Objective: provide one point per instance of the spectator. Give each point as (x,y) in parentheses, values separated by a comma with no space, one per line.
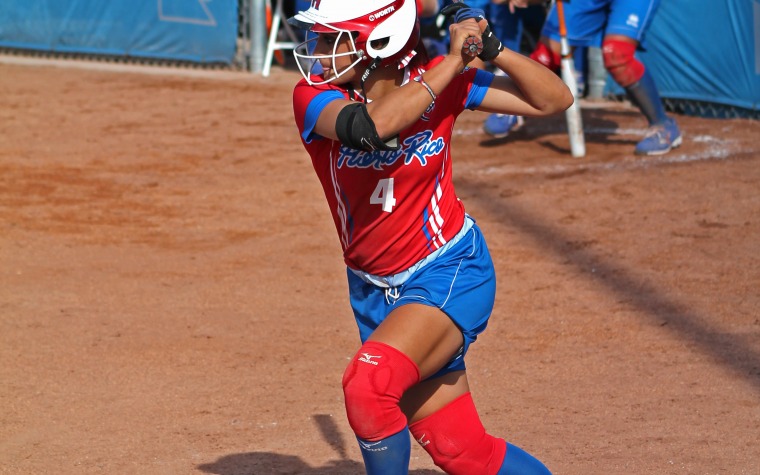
(621,26)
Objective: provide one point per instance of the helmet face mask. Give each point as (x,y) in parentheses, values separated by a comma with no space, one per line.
(384,31)
(307,61)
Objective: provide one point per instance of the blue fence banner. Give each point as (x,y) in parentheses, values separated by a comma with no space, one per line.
(707,50)
(202,31)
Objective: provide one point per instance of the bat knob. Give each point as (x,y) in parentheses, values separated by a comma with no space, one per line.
(472,46)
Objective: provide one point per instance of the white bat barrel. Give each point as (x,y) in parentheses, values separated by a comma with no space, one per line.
(573,113)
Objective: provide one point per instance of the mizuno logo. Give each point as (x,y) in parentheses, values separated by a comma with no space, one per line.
(422,440)
(372,446)
(367,445)
(367,358)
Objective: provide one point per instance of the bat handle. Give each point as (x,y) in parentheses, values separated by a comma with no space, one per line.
(472,46)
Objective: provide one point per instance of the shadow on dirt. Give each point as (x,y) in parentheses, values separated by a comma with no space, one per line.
(734,352)
(598,128)
(268,463)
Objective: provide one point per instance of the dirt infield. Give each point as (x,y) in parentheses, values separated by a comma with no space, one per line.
(172,298)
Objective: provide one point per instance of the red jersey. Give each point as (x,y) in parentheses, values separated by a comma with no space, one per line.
(390,208)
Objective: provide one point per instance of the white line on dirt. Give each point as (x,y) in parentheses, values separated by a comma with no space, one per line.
(550,130)
(717,150)
(220,74)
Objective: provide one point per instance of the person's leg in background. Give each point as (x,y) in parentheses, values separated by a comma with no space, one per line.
(508,27)
(622,39)
(623,27)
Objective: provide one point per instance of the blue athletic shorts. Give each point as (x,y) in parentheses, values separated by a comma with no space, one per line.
(460,281)
(589,21)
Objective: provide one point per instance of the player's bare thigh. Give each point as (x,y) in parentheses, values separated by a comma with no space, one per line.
(423,333)
(430,339)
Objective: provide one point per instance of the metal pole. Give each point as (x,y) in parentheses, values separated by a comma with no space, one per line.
(257,32)
(597,74)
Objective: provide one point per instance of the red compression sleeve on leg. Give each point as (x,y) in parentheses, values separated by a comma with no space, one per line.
(373,384)
(621,62)
(544,55)
(457,441)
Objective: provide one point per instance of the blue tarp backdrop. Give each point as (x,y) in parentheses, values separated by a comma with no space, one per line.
(700,50)
(187,30)
(707,50)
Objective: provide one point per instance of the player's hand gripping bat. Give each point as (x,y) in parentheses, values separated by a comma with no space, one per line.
(460,11)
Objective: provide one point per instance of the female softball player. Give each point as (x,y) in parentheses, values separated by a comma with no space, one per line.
(377,123)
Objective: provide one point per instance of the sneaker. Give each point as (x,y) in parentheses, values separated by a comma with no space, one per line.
(500,125)
(660,139)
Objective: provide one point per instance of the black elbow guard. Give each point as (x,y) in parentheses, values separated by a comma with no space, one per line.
(356,130)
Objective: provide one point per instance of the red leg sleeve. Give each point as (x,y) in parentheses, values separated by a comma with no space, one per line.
(457,441)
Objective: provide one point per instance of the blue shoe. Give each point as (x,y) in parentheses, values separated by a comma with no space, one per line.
(660,139)
(500,125)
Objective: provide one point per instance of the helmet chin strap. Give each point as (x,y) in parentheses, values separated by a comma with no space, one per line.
(373,65)
(393,141)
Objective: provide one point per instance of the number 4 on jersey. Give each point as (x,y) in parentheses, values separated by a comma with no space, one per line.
(383,195)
